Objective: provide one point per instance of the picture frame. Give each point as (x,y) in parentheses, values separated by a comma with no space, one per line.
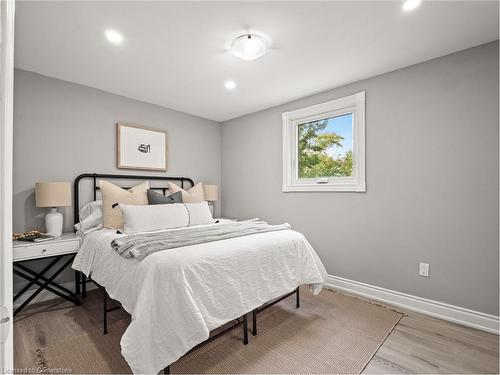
(140,147)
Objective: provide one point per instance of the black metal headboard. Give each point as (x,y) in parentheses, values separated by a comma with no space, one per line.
(95,187)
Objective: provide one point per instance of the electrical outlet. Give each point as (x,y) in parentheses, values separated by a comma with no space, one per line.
(424,269)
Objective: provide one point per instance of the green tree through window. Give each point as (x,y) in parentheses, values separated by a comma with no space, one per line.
(322,151)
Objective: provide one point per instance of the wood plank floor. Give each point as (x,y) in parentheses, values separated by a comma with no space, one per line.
(419,344)
(423,345)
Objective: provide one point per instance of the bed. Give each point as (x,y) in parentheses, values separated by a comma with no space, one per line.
(178,296)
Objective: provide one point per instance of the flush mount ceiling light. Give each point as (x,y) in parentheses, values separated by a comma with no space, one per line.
(113,36)
(411,4)
(230,85)
(249,46)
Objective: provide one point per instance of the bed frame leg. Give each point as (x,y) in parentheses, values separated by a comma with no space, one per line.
(105,321)
(166,370)
(254,322)
(297,303)
(84,285)
(245,329)
(78,282)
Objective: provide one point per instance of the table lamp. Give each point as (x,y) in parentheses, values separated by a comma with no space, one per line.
(211,195)
(53,195)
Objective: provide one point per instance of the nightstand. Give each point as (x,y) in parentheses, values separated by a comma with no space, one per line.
(65,246)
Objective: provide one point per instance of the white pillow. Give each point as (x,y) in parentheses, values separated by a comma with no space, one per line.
(89,209)
(199,213)
(90,217)
(148,218)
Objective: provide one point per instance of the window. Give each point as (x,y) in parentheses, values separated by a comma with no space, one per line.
(324,146)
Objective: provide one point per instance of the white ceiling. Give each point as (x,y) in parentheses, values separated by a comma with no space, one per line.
(174,53)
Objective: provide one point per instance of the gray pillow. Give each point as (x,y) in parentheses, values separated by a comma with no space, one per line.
(158,198)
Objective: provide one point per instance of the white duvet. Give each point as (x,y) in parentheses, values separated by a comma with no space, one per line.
(177,296)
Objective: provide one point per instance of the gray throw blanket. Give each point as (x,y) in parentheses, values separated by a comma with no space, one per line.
(141,245)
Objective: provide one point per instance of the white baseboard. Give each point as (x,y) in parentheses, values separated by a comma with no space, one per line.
(45,295)
(456,314)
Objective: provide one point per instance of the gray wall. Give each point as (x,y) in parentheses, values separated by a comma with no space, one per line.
(63,129)
(432,182)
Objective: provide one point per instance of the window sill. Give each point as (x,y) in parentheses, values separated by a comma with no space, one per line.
(355,188)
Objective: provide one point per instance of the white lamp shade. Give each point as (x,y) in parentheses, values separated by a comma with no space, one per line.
(211,192)
(53,194)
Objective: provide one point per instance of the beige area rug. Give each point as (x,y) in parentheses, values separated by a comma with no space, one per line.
(329,333)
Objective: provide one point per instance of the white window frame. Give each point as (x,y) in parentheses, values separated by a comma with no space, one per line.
(354,104)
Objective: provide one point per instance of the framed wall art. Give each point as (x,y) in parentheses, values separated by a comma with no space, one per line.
(139,147)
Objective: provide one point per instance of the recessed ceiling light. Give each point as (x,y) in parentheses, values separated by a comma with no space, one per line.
(113,36)
(230,85)
(249,46)
(411,4)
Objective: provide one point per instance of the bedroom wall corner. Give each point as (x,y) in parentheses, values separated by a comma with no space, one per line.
(432,182)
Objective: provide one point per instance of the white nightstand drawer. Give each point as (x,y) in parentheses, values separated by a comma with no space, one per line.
(41,250)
